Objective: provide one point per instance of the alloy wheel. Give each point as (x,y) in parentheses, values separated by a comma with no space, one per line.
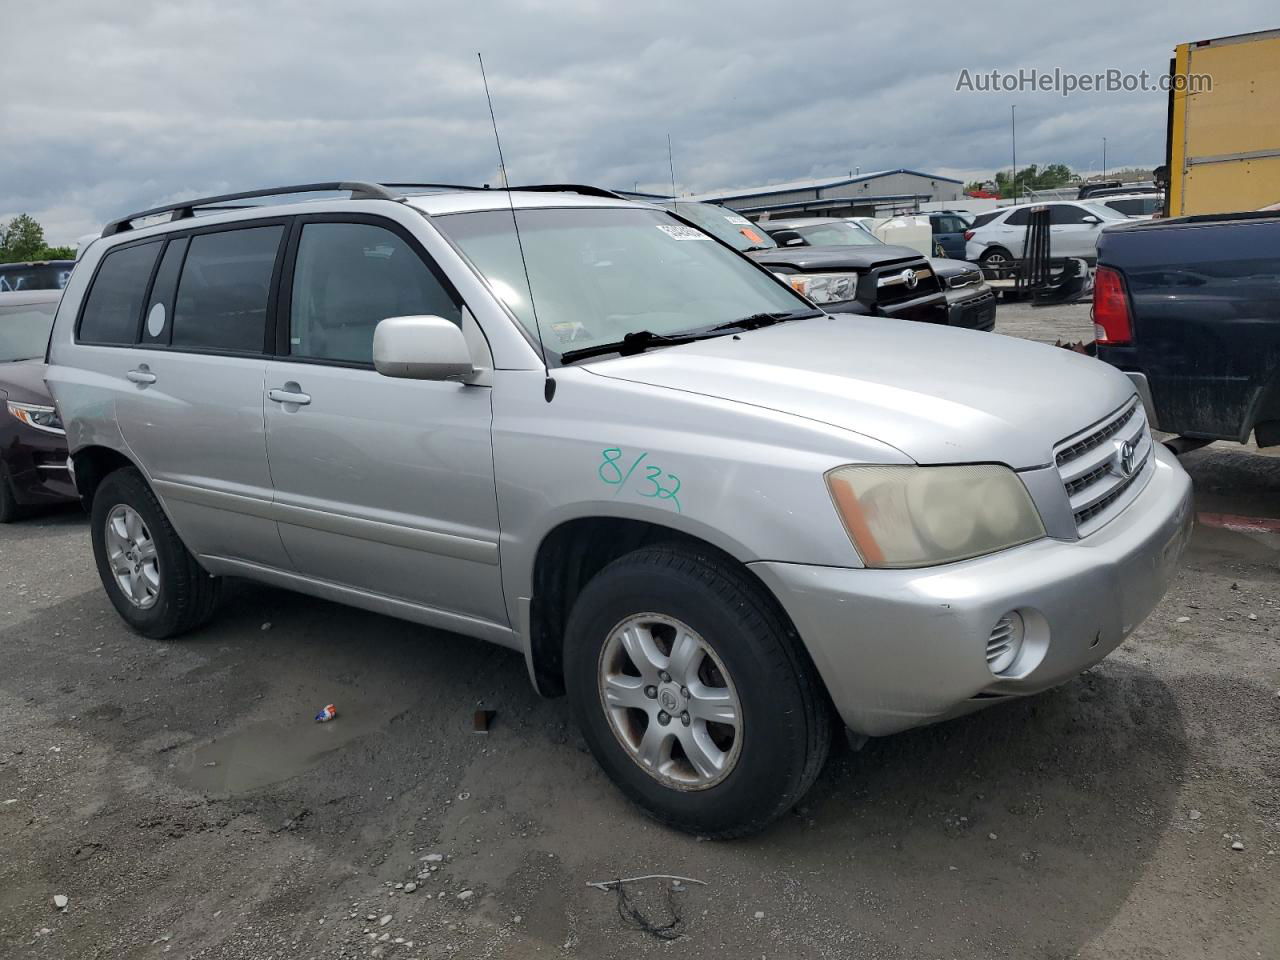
(131,553)
(670,701)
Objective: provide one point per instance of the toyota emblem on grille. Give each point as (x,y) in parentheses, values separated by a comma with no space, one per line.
(1124,459)
(910,279)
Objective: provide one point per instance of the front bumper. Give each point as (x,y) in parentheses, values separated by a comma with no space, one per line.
(928,308)
(973,308)
(901,648)
(36,464)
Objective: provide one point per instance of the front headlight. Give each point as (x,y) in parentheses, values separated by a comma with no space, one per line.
(905,516)
(825,287)
(37,417)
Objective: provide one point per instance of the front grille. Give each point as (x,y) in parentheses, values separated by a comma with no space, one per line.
(1086,444)
(890,287)
(1093,470)
(965,279)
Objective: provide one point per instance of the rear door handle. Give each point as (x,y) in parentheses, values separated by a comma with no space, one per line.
(290,394)
(141,376)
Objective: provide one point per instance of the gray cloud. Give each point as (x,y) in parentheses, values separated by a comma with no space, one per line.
(113,107)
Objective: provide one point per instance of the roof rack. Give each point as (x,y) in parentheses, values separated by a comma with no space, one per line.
(437,186)
(585,189)
(360,190)
(186,209)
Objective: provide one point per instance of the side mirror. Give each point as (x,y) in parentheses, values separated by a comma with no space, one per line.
(1090,218)
(794,242)
(421,348)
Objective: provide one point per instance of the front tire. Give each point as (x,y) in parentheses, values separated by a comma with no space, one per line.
(153,581)
(693,692)
(10,509)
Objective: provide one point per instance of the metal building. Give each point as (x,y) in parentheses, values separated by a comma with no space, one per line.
(866,195)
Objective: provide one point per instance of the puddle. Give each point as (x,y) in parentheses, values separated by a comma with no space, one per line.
(1262,546)
(266,752)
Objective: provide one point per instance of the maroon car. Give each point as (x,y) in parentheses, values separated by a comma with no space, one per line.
(33,445)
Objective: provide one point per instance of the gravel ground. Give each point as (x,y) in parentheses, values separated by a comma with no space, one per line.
(182,799)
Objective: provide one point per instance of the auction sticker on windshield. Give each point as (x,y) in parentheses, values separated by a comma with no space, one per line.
(680,232)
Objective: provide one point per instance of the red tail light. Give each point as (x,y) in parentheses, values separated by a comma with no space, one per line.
(968,235)
(1111,320)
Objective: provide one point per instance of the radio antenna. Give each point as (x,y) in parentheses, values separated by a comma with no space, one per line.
(549,387)
(671,164)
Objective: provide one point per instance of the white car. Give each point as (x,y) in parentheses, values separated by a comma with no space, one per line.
(1135,206)
(1074,226)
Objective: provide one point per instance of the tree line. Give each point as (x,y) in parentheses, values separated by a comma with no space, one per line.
(1030,177)
(22,239)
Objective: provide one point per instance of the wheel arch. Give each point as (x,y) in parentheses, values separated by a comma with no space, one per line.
(93,464)
(573,552)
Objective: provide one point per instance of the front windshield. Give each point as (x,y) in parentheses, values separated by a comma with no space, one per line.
(723,223)
(839,233)
(24,330)
(601,273)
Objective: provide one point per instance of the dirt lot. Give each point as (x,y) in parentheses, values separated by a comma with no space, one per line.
(181,796)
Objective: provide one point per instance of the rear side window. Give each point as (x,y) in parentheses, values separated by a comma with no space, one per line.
(1135,206)
(222,296)
(1019,217)
(982,219)
(1066,213)
(348,278)
(155,328)
(113,308)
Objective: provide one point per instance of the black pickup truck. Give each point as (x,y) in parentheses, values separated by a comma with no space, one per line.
(858,274)
(1189,308)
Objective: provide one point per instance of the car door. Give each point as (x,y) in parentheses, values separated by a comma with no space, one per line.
(381,484)
(948,233)
(1071,234)
(190,396)
(1011,232)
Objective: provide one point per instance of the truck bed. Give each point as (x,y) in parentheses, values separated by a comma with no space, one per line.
(1204,303)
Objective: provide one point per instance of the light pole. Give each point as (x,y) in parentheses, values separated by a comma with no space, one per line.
(1013,140)
(1104,158)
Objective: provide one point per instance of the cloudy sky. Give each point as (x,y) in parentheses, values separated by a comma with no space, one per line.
(112,107)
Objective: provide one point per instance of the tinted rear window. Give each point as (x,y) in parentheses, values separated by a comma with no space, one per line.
(114,305)
(37,276)
(222,294)
(982,219)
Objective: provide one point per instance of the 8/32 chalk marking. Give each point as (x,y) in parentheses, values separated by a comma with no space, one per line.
(663,486)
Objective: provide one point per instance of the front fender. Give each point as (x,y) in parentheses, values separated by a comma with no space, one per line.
(746,479)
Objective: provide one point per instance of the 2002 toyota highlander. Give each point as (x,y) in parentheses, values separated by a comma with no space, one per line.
(718,518)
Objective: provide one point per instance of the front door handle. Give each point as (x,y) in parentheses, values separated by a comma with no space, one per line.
(290,393)
(141,376)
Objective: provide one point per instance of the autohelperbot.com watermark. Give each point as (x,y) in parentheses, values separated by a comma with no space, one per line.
(1067,82)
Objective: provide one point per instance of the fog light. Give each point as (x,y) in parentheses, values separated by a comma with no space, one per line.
(1005,642)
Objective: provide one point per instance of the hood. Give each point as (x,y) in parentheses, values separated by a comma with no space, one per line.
(946,269)
(834,258)
(23,381)
(938,394)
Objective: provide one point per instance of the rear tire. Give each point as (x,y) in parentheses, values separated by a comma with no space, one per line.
(993,256)
(154,582)
(716,645)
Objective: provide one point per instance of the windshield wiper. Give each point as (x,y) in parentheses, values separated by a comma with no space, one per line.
(757,320)
(636,342)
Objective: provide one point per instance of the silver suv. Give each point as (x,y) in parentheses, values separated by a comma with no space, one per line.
(719,519)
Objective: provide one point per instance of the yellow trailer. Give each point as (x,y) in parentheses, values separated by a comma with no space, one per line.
(1223,148)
